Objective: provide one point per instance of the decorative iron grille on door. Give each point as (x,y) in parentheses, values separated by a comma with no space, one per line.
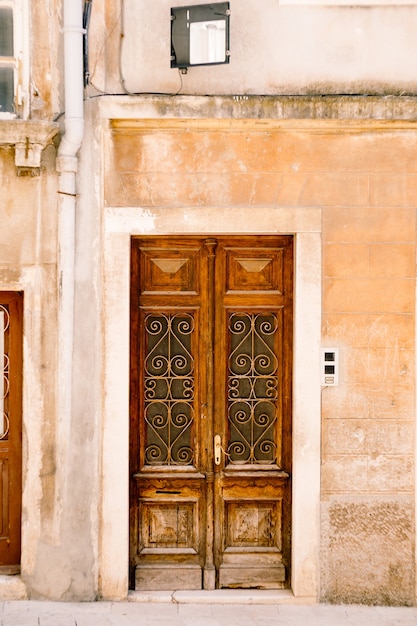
(169,389)
(11,310)
(252,388)
(4,357)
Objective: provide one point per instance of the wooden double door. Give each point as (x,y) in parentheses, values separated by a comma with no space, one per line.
(210,431)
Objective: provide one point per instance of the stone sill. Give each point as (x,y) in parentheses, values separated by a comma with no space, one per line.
(29,138)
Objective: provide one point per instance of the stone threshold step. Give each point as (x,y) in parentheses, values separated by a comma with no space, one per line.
(221,596)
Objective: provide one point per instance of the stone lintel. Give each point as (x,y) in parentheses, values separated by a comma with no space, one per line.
(263,112)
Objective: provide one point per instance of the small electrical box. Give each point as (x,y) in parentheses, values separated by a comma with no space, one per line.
(330,367)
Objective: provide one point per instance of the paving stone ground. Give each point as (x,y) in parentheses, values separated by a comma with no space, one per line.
(171,613)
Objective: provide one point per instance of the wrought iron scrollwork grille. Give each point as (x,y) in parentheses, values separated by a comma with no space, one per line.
(5,375)
(169,389)
(252,388)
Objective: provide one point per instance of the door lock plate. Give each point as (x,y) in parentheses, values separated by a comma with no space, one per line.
(217,449)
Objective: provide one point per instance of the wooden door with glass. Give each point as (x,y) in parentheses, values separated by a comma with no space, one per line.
(210,424)
(11,349)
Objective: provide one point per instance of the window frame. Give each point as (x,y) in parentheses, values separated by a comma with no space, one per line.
(19,61)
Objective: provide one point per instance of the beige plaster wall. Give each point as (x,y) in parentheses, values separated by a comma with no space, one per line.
(60,449)
(368,421)
(60,452)
(313,47)
(28,257)
(272,176)
(44,55)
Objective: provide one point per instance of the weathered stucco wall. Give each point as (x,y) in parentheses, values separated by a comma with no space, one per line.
(362,176)
(60,456)
(276,48)
(60,561)
(368,421)
(28,257)
(46,62)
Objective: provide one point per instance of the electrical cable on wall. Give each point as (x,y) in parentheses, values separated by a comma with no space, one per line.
(121,75)
(87,78)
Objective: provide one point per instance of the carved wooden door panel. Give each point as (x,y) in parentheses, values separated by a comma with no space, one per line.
(211,336)
(11,342)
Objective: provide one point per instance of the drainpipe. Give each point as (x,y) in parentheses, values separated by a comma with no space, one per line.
(67,164)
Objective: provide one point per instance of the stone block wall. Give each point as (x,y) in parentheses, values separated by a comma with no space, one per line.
(363,179)
(368,421)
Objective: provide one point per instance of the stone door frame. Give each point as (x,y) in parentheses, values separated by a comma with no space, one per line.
(119,225)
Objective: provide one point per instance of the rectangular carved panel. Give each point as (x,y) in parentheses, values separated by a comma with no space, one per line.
(170,270)
(4,498)
(254,269)
(158,577)
(255,577)
(253,525)
(167,525)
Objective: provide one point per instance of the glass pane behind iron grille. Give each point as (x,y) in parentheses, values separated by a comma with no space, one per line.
(6,32)
(169,389)
(6,89)
(4,391)
(252,388)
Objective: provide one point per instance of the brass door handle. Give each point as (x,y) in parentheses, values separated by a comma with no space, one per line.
(217,449)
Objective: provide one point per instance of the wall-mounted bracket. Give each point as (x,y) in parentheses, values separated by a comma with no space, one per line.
(29,139)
